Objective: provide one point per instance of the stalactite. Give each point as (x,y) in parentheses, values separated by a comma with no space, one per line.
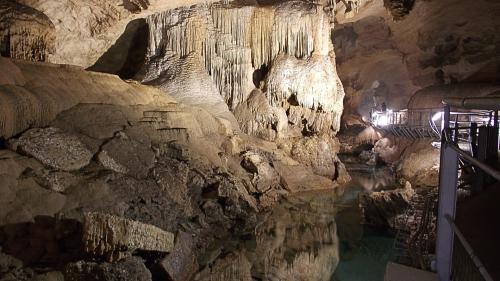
(234,41)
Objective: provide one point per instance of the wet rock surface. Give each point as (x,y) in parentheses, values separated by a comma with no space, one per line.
(382,208)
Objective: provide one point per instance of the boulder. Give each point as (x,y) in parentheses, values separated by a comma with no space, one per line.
(297,178)
(420,164)
(54,148)
(264,177)
(127,156)
(382,208)
(234,266)
(172,177)
(24,199)
(181,264)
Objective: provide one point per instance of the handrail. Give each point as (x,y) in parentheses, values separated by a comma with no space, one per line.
(469,250)
(490,171)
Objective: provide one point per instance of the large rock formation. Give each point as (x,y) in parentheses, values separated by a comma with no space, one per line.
(237,51)
(33,94)
(428,43)
(25,33)
(85,30)
(144,162)
(95,168)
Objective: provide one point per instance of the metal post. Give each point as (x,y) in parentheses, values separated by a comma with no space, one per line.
(473,139)
(495,137)
(448,173)
(455,131)
(446,122)
(482,154)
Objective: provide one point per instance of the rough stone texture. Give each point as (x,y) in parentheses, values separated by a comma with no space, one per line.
(420,164)
(127,156)
(399,8)
(264,177)
(282,49)
(105,234)
(54,148)
(86,119)
(132,269)
(172,178)
(186,80)
(83,39)
(181,264)
(22,197)
(34,93)
(8,263)
(25,33)
(319,153)
(59,181)
(455,43)
(382,208)
(256,117)
(234,266)
(390,150)
(297,178)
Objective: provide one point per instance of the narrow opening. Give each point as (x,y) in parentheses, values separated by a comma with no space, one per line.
(259,75)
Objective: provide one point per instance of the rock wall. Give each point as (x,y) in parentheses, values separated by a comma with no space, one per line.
(85,30)
(231,49)
(33,94)
(282,49)
(25,33)
(416,45)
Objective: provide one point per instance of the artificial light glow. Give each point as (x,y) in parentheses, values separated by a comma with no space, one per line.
(437,116)
(382,120)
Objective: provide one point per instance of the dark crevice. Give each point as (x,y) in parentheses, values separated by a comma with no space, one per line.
(127,56)
(259,75)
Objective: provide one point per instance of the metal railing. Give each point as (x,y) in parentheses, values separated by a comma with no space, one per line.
(454,255)
(428,122)
(466,265)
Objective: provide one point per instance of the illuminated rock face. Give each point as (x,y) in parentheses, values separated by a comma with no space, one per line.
(390,49)
(282,49)
(25,33)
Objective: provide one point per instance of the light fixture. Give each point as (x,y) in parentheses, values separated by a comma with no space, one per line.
(437,116)
(382,120)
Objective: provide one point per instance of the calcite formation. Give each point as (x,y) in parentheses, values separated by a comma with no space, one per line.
(25,33)
(109,235)
(283,49)
(32,94)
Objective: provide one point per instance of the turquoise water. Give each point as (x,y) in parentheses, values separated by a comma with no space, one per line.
(298,239)
(364,251)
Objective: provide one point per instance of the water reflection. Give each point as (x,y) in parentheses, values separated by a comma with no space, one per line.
(298,240)
(317,236)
